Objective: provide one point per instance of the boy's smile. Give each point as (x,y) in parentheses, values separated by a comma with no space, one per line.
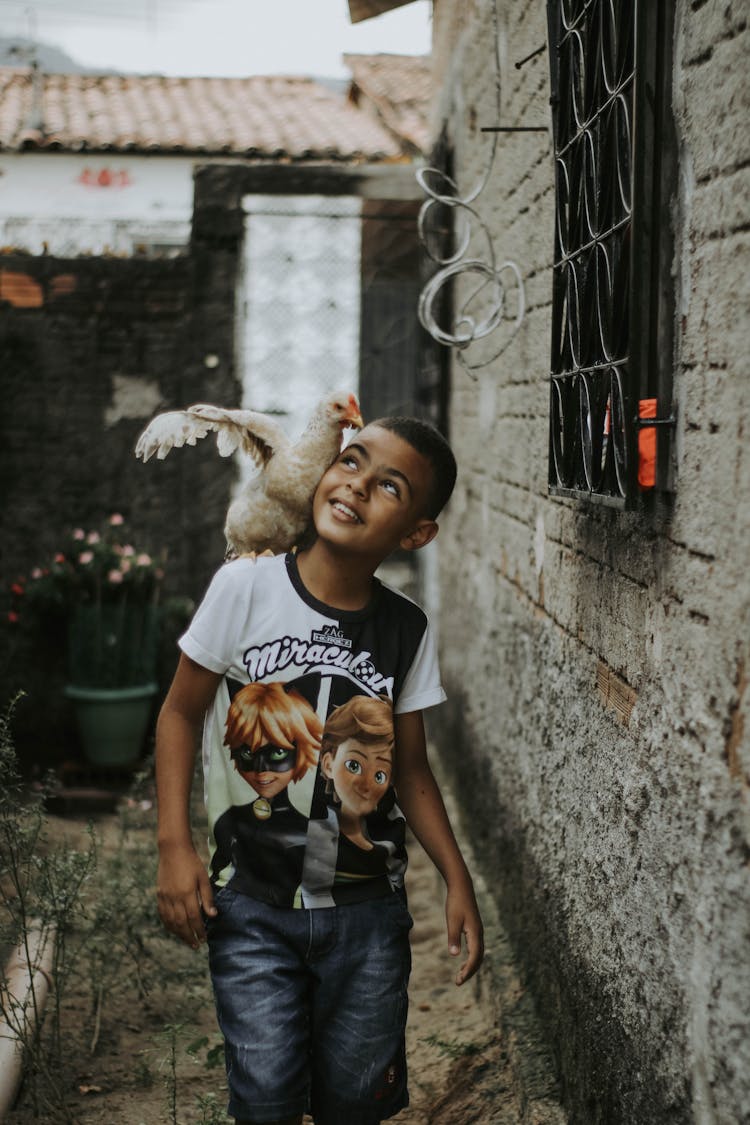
(344,512)
(373,497)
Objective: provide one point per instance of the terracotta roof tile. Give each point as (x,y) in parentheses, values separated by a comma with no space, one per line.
(399,88)
(273,116)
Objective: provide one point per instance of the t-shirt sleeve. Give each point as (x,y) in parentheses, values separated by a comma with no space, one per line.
(212,635)
(422,687)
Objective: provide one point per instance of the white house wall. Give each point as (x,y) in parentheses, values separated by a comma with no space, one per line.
(70,204)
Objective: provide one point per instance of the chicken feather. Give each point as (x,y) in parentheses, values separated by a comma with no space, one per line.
(274,509)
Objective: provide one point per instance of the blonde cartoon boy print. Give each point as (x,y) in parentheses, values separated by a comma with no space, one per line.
(357,759)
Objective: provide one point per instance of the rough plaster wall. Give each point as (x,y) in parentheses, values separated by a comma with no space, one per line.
(596,661)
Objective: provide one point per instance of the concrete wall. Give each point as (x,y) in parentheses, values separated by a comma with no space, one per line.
(597,661)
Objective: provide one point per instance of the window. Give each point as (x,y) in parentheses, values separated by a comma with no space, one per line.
(610,392)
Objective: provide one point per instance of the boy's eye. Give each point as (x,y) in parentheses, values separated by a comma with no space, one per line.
(353,766)
(392,487)
(278,754)
(349,461)
(381,777)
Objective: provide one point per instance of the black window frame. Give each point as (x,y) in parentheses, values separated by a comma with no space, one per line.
(597,376)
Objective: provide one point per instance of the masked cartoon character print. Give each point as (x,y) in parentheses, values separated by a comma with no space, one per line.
(273,737)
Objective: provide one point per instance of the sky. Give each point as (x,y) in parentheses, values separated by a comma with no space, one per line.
(216,37)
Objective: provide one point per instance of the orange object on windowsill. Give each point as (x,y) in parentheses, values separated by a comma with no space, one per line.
(647,445)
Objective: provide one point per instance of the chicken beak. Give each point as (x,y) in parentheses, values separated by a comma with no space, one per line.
(352,417)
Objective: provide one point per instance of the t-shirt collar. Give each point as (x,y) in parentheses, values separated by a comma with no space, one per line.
(329,610)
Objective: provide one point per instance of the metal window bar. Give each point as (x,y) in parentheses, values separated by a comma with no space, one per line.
(603,59)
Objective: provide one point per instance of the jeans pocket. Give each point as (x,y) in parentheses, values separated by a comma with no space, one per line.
(223,899)
(397,904)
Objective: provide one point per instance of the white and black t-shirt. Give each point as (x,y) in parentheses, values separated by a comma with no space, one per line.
(299,815)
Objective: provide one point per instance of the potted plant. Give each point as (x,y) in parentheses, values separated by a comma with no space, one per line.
(108,593)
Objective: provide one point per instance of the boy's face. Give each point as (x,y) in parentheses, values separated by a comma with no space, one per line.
(374,496)
(360,774)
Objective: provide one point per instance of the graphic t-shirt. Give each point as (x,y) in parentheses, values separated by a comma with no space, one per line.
(298,748)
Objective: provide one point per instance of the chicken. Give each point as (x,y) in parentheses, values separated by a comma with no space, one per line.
(274,509)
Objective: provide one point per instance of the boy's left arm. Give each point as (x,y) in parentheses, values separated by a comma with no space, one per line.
(422,804)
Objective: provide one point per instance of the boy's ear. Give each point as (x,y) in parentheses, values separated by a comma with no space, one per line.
(420,536)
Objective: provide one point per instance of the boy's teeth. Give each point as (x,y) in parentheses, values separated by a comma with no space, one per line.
(346,510)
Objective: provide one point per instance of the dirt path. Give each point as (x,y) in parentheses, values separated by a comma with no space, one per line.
(458,1073)
(142,1073)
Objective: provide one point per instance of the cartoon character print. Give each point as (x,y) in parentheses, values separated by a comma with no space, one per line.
(273,735)
(357,761)
(356,758)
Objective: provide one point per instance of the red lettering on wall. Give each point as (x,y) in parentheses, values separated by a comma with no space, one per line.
(105,178)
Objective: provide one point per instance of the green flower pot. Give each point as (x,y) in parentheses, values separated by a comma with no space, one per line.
(113,645)
(112,722)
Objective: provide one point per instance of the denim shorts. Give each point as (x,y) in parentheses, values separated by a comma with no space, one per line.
(312,1006)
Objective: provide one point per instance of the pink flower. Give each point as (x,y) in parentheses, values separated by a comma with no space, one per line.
(143,560)
(86,557)
(115,577)
(79,533)
(116,520)
(93,537)
(128,551)
(125,566)
(37,572)
(59,558)
(13,617)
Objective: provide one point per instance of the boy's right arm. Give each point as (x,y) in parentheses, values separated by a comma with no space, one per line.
(183,886)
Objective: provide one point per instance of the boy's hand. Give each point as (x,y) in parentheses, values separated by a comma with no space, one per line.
(182,889)
(462,916)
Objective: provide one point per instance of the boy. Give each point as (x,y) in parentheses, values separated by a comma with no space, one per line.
(310,971)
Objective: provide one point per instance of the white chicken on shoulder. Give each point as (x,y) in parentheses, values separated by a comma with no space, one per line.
(274,509)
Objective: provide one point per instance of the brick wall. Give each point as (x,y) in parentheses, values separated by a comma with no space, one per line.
(596,661)
(90,350)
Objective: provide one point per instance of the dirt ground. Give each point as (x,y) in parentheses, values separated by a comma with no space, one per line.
(156,1056)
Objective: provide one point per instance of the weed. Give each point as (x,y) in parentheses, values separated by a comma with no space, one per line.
(212,1112)
(214,1054)
(90,906)
(40,892)
(143,1076)
(451,1048)
(170,1032)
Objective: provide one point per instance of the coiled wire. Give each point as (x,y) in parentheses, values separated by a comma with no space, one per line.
(466,328)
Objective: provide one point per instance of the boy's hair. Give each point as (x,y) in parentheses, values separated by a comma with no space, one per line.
(367,719)
(266,714)
(430,443)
